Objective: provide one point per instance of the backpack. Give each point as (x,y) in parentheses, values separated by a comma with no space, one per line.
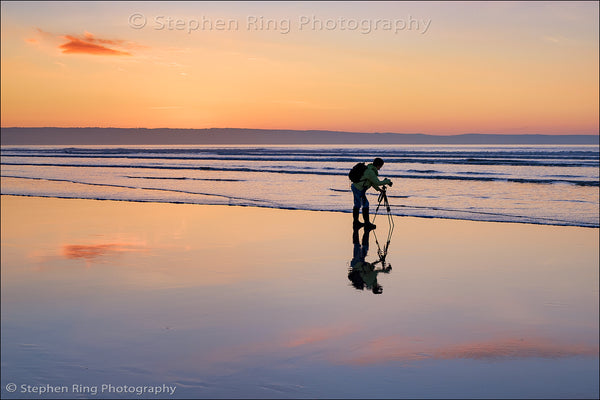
(356,173)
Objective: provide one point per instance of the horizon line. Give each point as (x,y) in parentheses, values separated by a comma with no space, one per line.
(303,130)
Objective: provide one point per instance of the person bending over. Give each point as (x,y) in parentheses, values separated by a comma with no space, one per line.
(369,179)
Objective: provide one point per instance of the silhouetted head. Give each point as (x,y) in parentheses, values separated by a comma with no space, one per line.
(378,162)
(356,280)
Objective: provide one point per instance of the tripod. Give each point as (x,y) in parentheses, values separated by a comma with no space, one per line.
(382,253)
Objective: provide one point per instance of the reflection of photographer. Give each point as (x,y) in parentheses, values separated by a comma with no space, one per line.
(362,273)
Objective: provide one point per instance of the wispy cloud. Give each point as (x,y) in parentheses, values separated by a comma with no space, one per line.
(299,104)
(559,40)
(89,44)
(166,108)
(38,36)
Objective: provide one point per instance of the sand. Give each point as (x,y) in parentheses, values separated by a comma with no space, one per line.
(243,302)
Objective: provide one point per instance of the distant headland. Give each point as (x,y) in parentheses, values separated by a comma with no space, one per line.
(233,136)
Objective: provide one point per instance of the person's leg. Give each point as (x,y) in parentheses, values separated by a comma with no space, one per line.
(365,202)
(368,224)
(356,210)
(363,199)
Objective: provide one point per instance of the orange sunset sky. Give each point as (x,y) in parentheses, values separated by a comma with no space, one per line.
(431,67)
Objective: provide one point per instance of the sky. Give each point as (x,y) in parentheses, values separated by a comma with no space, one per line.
(408,67)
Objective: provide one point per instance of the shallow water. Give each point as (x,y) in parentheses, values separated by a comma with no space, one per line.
(239,302)
(555,185)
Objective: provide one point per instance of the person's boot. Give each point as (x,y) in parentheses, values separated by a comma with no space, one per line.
(368,224)
(356,223)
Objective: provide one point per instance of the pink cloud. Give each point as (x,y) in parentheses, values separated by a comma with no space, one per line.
(89,44)
(86,43)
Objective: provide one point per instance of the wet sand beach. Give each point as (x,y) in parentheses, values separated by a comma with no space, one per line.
(242,302)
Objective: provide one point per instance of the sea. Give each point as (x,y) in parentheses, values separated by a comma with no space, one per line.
(531,184)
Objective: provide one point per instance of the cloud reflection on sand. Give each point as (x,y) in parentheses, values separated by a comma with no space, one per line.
(346,345)
(388,349)
(317,335)
(95,251)
(92,253)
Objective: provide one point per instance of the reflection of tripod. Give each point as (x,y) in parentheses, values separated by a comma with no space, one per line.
(382,253)
(362,273)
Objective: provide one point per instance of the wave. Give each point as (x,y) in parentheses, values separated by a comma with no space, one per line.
(184,174)
(424,171)
(552,221)
(308,171)
(428,159)
(184,178)
(483,216)
(141,188)
(390,196)
(478,155)
(433,171)
(490,151)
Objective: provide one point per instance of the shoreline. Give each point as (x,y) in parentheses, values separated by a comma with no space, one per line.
(349,211)
(229,302)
